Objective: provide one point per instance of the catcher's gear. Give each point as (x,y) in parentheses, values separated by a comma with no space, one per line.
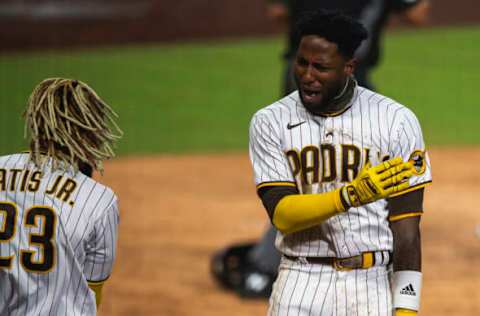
(378,182)
(227,265)
(232,269)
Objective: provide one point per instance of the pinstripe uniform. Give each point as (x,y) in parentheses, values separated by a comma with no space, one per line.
(58,231)
(291,147)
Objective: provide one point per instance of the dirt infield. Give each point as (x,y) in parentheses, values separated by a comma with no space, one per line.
(177,210)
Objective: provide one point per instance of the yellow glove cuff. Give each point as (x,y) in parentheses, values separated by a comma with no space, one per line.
(96,287)
(405,312)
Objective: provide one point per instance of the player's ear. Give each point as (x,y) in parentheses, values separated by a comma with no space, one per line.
(350,66)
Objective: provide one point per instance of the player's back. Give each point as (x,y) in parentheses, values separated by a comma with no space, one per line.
(52,224)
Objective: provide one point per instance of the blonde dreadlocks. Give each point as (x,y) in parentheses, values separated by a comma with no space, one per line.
(68,120)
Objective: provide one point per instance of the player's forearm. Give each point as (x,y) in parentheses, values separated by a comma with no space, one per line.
(301,211)
(407,278)
(407,254)
(410,261)
(277,10)
(418,14)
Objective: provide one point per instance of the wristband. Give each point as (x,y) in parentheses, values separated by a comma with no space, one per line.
(406,289)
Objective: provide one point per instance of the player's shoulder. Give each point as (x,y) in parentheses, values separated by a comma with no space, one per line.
(373,98)
(13,159)
(92,185)
(98,184)
(383,103)
(94,196)
(279,108)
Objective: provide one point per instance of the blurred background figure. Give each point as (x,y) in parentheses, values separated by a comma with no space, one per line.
(255,264)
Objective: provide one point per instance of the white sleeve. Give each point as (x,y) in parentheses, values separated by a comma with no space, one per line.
(270,164)
(407,142)
(101,245)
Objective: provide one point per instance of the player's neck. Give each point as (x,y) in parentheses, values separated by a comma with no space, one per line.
(43,149)
(338,104)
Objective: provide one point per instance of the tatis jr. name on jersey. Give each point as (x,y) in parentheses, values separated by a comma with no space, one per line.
(25,180)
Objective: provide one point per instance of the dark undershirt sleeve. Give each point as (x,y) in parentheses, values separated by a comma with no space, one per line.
(411,202)
(270,196)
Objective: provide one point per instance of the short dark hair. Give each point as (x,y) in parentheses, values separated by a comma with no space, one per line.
(335,27)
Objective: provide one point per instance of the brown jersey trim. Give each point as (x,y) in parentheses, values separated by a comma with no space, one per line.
(98,282)
(410,189)
(276,184)
(271,195)
(395,218)
(411,202)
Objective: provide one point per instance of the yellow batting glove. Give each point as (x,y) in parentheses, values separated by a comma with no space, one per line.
(379,182)
(405,312)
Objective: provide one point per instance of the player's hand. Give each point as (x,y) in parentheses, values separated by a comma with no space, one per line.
(405,312)
(378,182)
(277,11)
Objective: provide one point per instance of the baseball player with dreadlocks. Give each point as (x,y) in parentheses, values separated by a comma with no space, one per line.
(340,170)
(58,226)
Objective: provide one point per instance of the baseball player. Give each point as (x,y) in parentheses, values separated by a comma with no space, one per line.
(256,263)
(341,171)
(58,227)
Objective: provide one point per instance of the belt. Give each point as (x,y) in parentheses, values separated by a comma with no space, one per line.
(364,260)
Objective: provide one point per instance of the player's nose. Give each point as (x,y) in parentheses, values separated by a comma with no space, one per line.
(307,75)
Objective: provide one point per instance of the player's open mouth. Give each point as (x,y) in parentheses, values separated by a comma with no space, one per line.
(310,95)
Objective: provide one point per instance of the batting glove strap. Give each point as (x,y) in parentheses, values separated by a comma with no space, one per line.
(406,290)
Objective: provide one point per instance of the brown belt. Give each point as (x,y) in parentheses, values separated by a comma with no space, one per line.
(364,260)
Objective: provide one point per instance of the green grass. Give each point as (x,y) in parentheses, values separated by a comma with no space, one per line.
(192,97)
(436,73)
(199,97)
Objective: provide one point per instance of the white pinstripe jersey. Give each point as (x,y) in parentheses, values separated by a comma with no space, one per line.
(289,146)
(57,230)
